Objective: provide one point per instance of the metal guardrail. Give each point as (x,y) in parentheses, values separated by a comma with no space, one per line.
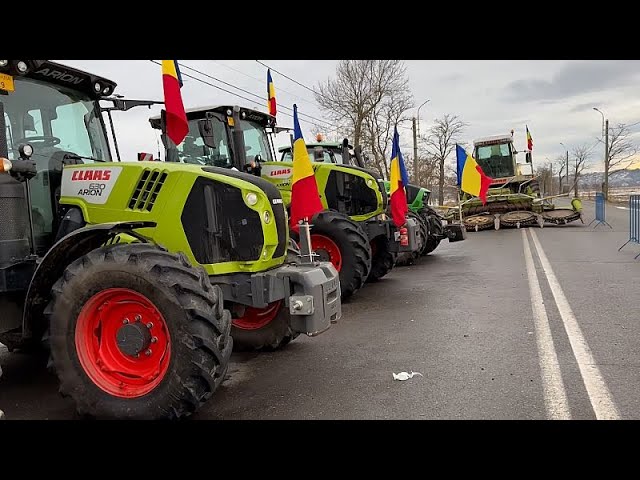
(600,211)
(634,222)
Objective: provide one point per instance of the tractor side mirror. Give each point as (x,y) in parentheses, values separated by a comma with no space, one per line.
(527,157)
(205,127)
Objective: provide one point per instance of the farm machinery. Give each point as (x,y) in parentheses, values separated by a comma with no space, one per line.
(131,273)
(353,232)
(513,198)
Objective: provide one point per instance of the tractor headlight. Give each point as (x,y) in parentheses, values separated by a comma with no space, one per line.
(22,67)
(370,183)
(4,63)
(5,165)
(266,216)
(251,198)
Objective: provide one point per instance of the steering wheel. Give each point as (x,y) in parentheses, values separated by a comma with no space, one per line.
(41,140)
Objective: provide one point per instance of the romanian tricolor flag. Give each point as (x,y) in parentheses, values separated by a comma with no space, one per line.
(399,180)
(271,94)
(529,140)
(177,126)
(471,178)
(305,199)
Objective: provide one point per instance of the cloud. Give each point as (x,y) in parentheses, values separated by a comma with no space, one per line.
(575,78)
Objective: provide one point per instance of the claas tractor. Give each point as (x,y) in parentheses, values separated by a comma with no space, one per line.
(513,198)
(130,272)
(356,196)
(352,233)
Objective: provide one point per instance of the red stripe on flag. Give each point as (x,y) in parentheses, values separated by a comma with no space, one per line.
(272,106)
(177,125)
(305,200)
(485,182)
(399,206)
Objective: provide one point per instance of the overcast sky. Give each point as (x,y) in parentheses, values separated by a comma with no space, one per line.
(555,98)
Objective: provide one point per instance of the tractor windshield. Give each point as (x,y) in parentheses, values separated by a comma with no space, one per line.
(316,154)
(496,160)
(193,150)
(55,121)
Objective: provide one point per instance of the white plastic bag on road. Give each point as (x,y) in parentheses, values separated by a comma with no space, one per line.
(405,376)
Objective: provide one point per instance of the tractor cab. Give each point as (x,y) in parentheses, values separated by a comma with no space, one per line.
(222,136)
(54,111)
(497,157)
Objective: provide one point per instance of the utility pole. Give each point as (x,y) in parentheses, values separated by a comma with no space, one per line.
(605,190)
(551,178)
(568,170)
(415,152)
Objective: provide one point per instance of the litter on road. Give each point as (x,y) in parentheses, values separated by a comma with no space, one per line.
(405,376)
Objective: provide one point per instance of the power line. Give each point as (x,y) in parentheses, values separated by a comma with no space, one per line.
(233,93)
(262,81)
(289,78)
(248,92)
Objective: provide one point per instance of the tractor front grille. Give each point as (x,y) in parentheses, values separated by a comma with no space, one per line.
(349,194)
(219,226)
(147,190)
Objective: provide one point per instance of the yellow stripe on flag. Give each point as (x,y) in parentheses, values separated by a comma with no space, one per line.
(471,178)
(301,162)
(395,174)
(169,68)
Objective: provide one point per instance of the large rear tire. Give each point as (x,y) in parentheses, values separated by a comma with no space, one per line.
(137,332)
(434,230)
(263,329)
(340,240)
(383,260)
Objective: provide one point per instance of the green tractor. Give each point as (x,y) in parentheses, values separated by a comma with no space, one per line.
(130,272)
(434,228)
(353,233)
(346,184)
(513,198)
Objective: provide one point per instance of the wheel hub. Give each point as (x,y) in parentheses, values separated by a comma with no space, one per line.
(133,338)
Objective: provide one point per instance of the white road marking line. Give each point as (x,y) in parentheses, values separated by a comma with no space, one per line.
(623,208)
(599,395)
(553,389)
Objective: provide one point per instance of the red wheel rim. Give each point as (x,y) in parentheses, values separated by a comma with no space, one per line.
(327,249)
(125,313)
(254,318)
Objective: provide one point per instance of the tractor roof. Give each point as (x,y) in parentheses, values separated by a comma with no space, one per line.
(59,74)
(493,140)
(199,112)
(316,144)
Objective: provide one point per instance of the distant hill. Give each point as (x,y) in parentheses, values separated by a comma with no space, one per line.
(623,178)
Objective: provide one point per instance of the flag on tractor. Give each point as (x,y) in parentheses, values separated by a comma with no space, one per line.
(271,94)
(471,178)
(177,126)
(529,140)
(305,199)
(399,180)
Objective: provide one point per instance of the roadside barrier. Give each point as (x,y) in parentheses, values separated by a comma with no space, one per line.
(600,211)
(634,221)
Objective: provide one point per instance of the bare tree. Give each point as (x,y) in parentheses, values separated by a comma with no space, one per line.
(581,155)
(427,169)
(620,149)
(441,141)
(359,93)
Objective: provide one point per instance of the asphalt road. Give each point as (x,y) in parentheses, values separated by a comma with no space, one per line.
(492,339)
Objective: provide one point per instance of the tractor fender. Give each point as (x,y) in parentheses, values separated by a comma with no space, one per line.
(69,248)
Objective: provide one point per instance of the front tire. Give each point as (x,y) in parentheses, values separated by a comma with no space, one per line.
(137,332)
(434,227)
(383,260)
(264,329)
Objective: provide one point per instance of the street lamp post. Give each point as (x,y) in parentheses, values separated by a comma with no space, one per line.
(416,134)
(605,134)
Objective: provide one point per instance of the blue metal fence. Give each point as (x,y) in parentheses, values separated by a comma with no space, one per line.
(634,221)
(600,211)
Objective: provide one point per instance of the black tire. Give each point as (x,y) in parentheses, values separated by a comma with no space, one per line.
(422,233)
(434,230)
(383,260)
(275,334)
(354,248)
(535,188)
(192,309)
